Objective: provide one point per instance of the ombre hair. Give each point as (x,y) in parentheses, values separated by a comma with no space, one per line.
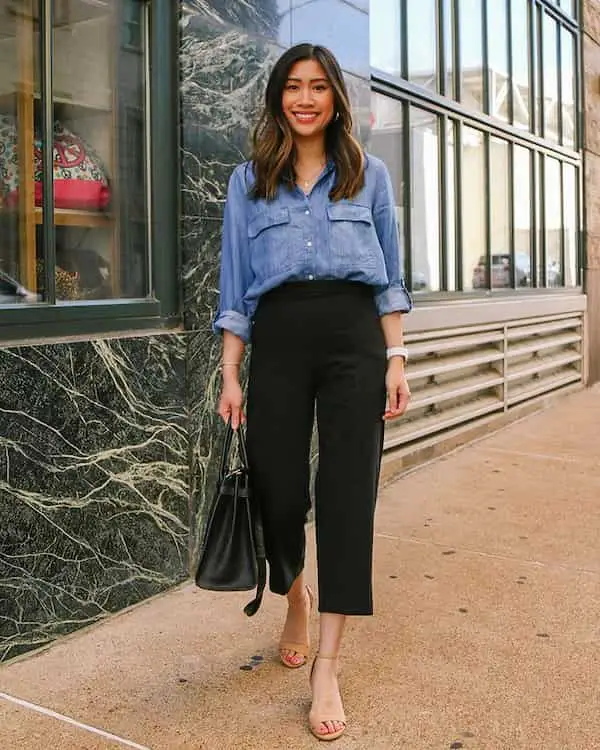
(273,148)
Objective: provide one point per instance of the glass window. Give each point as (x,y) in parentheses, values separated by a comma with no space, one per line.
(471,53)
(550,73)
(498,60)
(522,215)
(521,84)
(553,222)
(473,210)
(425,200)
(449,9)
(500,215)
(100,219)
(421,20)
(385,36)
(386,143)
(21,260)
(451,205)
(568,89)
(570,224)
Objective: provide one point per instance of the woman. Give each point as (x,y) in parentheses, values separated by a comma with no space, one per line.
(311,276)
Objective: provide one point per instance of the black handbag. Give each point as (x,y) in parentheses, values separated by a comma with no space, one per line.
(232,553)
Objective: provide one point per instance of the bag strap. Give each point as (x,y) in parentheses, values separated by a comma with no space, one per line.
(261,563)
(226,451)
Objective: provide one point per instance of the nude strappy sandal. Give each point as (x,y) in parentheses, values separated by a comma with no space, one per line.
(300,648)
(315,721)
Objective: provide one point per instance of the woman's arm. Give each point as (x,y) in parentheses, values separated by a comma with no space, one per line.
(232,318)
(392,300)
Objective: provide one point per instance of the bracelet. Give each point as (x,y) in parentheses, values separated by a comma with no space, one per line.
(230,364)
(397,351)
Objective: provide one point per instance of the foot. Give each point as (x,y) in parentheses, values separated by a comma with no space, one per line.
(327,718)
(295,639)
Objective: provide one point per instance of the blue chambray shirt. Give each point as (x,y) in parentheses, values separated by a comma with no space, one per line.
(298,237)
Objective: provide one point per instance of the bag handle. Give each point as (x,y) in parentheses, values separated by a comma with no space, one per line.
(239,433)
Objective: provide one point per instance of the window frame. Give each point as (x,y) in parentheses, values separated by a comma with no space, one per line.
(162,308)
(450,108)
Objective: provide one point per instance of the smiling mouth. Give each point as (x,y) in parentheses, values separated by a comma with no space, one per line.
(305,116)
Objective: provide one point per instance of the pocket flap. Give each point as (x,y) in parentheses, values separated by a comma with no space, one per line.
(349,212)
(266,219)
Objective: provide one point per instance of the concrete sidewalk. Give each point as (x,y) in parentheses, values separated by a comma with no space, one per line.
(486,634)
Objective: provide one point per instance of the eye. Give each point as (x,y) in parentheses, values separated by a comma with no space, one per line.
(291,87)
(321,87)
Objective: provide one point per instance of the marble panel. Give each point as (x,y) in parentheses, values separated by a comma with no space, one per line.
(341,26)
(94,482)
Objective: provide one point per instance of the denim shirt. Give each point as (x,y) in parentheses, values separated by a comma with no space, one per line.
(298,237)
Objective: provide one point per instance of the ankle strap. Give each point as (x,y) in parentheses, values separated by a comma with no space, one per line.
(319,655)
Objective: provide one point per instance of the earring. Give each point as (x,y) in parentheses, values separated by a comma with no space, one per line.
(337,115)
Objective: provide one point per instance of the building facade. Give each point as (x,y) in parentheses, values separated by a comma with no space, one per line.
(120,122)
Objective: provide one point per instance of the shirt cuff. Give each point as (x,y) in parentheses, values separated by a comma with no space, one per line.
(394,298)
(235,322)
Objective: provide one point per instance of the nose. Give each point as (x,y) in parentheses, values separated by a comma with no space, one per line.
(305,96)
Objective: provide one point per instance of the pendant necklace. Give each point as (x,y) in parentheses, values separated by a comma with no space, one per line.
(307,183)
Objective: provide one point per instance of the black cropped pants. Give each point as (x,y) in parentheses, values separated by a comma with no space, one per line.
(318,344)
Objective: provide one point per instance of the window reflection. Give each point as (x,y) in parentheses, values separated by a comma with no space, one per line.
(553,222)
(471,53)
(451,205)
(570,228)
(550,71)
(385,36)
(449,14)
(499,215)
(425,200)
(522,215)
(421,17)
(498,60)
(521,89)
(568,88)
(386,143)
(473,211)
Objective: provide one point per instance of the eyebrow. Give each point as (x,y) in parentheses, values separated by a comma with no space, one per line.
(312,80)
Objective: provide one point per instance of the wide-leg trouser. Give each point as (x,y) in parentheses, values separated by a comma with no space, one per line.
(318,343)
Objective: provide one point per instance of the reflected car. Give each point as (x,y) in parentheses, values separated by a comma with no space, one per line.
(502,272)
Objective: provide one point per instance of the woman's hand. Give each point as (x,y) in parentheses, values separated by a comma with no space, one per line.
(397,388)
(231,401)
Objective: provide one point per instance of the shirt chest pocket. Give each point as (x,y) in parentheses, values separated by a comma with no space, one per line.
(352,234)
(270,242)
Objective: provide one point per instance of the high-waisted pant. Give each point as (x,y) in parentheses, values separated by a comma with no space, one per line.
(318,343)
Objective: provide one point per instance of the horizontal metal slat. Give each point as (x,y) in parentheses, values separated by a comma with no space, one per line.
(522,331)
(544,386)
(450,364)
(421,428)
(541,364)
(537,346)
(455,342)
(440,393)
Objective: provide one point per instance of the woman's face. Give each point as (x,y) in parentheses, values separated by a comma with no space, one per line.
(308,100)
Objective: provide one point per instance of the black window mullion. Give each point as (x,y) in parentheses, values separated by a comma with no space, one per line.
(542,280)
(486,56)
(539,32)
(533,82)
(441,47)
(443,204)
(404,73)
(509,42)
(559,104)
(407,193)
(458,94)
(488,205)
(48,231)
(536,222)
(511,212)
(458,150)
(563,253)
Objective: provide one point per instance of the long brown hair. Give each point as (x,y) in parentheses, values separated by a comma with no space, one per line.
(274,151)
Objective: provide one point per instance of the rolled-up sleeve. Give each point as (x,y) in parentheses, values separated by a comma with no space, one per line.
(235,273)
(393,297)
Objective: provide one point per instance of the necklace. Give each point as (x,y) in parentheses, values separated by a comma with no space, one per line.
(307,183)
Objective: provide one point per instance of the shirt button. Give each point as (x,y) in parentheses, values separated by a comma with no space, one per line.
(311,277)
(309,244)
(307,212)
